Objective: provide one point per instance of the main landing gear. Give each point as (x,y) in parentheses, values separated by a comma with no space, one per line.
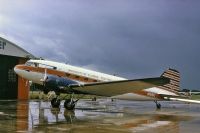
(55,102)
(158,105)
(69,104)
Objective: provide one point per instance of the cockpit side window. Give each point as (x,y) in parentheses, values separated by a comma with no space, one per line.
(31,64)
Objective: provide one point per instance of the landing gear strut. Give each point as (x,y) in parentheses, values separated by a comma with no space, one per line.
(158,105)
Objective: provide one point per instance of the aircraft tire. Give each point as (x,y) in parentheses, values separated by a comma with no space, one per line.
(55,103)
(69,105)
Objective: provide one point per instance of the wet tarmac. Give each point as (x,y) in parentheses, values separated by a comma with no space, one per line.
(101,116)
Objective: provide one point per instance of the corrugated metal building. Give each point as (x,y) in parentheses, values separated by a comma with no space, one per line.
(12,86)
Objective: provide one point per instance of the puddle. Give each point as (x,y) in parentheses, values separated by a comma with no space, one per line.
(100,116)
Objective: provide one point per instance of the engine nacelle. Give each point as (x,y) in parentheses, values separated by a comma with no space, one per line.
(58,84)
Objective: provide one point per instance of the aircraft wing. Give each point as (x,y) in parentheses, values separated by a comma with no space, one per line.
(119,87)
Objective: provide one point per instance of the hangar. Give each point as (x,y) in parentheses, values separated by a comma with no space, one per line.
(12,86)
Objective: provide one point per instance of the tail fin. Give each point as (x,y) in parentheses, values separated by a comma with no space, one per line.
(174,85)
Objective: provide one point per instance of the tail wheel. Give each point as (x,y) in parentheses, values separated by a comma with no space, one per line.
(55,103)
(158,106)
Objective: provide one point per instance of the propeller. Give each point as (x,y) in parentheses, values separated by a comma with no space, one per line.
(45,90)
(45,77)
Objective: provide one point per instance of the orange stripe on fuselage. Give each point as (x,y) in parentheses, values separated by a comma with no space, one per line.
(56,72)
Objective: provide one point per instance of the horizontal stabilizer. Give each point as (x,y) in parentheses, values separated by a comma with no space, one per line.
(182,100)
(119,87)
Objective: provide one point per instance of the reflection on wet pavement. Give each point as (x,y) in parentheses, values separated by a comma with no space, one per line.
(100,116)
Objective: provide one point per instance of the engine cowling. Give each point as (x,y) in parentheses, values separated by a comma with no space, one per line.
(57,84)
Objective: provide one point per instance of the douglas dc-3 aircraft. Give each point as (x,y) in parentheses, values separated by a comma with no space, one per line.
(64,78)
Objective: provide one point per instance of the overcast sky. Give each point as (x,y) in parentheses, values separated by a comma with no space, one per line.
(130,38)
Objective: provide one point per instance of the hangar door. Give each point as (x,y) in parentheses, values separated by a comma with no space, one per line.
(8,78)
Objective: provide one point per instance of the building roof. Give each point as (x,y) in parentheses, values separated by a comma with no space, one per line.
(10,49)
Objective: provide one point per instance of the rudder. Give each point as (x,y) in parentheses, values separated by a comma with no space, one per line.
(174,85)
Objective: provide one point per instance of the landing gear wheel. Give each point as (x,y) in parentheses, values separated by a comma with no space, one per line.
(55,103)
(69,104)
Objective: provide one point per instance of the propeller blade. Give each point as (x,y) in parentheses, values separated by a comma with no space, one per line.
(45,74)
(45,77)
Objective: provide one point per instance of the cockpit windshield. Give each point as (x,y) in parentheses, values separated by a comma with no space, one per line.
(34,64)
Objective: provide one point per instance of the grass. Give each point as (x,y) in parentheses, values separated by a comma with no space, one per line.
(40,95)
(195,97)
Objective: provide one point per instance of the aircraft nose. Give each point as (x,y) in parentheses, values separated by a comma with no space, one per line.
(17,69)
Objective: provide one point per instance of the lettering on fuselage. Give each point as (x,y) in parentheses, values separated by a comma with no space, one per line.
(151,94)
(2,44)
(92,76)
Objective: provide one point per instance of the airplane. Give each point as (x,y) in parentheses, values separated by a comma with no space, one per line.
(65,78)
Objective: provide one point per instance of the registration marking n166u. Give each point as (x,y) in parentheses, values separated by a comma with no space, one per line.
(151,94)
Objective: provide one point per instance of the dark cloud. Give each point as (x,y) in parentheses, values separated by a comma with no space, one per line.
(131,38)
